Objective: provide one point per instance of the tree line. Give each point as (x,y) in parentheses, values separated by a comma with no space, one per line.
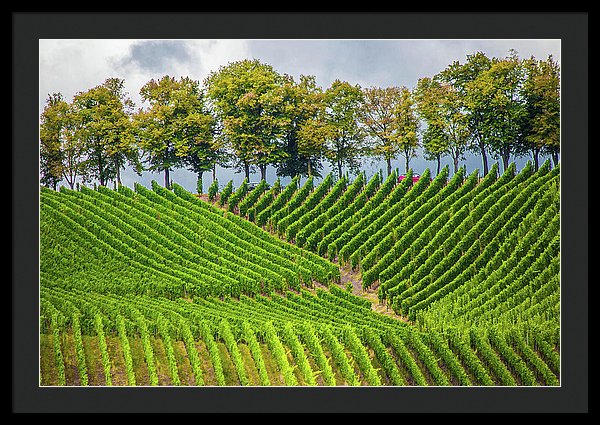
(246,115)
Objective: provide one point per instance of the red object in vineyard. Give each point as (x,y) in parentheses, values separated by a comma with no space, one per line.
(415,177)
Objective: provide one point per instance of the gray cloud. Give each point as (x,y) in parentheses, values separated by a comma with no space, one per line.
(155,55)
(384,62)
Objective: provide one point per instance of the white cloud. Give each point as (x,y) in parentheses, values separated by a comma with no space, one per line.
(71,66)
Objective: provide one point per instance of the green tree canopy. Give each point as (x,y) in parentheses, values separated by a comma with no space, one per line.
(59,156)
(175,130)
(378,115)
(344,136)
(102,124)
(500,88)
(541,92)
(408,126)
(124,150)
(303,103)
(475,104)
(447,131)
(435,144)
(250,106)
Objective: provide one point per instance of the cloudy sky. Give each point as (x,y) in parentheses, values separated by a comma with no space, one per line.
(70,66)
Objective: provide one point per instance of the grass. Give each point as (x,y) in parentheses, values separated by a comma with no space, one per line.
(117,359)
(184,367)
(140,369)
(48,375)
(249,365)
(272,370)
(93,361)
(231,376)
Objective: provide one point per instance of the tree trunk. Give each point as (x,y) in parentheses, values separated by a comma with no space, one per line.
(70,178)
(339,165)
(483,156)
(439,163)
(505,159)
(199,187)
(389,166)
(214,172)
(167,184)
(407,161)
(101,170)
(247,170)
(263,171)
(309,167)
(536,163)
(555,158)
(455,162)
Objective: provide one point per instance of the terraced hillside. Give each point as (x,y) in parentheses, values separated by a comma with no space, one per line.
(158,287)
(457,251)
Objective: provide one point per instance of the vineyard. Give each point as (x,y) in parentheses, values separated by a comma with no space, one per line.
(458,282)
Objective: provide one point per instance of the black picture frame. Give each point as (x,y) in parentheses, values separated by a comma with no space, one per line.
(571,28)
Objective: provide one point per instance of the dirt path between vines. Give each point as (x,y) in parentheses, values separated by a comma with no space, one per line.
(347,276)
(350,276)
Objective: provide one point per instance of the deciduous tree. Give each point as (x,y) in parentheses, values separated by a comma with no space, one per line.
(438,104)
(124,150)
(408,126)
(476,106)
(102,124)
(175,130)
(303,103)
(378,116)
(500,88)
(541,92)
(344,144)
(251,111)
(59,157)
